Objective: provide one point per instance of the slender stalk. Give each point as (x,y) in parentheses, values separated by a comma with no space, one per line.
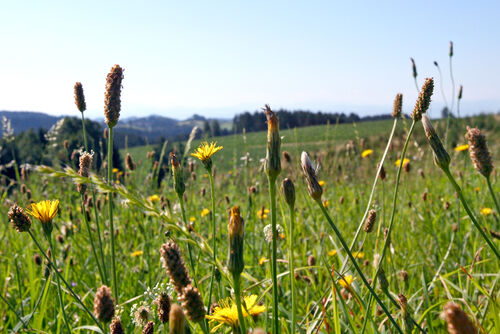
(59,292)
(292,268)
(191,262)
(272,200)
(214,235)
(51,264)
(356,266)
(469,212)
(13,310)
(492,192)
(237,295)
(110,210)
(91,239)
(84,133)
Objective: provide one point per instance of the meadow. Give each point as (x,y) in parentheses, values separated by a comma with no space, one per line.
(225,244)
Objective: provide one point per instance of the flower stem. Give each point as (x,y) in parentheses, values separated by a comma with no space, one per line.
(110,209)
(191,262)
(84,214)
(292,268)
(469,212)
(214,236)
(356,266)
(237,295)
(272,200)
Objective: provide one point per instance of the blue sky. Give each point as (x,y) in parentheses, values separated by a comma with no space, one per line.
(218,58)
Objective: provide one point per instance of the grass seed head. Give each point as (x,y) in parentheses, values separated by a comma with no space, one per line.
(129,162)
(174,265)
(19,219)
(112,97)
(85,165)
(441,157)
(104,305)
(460,92)
(382,174)
(457,321)
(423,100)
(79,97)
(413,67)
(163,303)
(149,328)
(398,106)
(479,152)
(116,326)
(370,221)
(192,303)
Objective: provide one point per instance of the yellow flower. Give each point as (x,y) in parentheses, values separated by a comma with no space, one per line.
(115,170)
(262,213)
(346,281)
(205,151)
(321,183)
(44,211)
(461,148)
(486,211)
(262,260)
(366,153)
(358,255)
(154,198)
(192,219)
(326,203)
(120,173)
(205,212)
(333,252)
(476,189)
(227,313)
(405,161)
(136,253)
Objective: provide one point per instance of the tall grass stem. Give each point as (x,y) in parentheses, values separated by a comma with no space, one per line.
(110,210)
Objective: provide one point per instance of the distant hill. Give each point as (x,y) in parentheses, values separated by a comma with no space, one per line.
(25,120)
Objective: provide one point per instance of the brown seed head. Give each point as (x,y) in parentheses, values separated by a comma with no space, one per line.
(370,221)
(460,92)
(423,100)
(149,328)
(287,157)
(19,219)
(413,67)
(479,152)
(38,259)
(451,49)
(382,173)
(315,190)
(129,162)
(79,97)
(85,165)
(192,303)
(116,326)
(163,303)
(398,106)
(458,322)
(311,260)
(174,265)
(112,100)
(177,320)
(104,307)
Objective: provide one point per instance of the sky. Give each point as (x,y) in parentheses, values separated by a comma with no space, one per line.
(219,58)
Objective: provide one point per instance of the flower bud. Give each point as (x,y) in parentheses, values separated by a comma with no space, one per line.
(315,190)
(273,159)
(441,157)
(460,92)
(413,67)
(179,185)
(423,100)
(289,192)
(236,233)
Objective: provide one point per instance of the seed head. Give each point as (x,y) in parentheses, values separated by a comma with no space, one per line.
(192,303)
(289,192)
(163,303)
(116,326)
(112,100)
(236,233)
(423,100)
(38,259)
(441,157)
(79,97)
(315,190)
(174,265)
(413,67)
(149,328)
(311,260)
(273,160)
(287,157)
(398,106)
(370,221)
(104,307)
(177,320)
(458,322)
(384,284)
(19,219)
(85,164)
(451,49)
(479,152)
(129,162)
(460,92)
(382,174)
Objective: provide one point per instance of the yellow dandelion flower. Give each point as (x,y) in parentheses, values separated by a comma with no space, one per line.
(358,255)
(154,198)
(366,153)
(476,189)
(44,211)
(326,203)
(346,281)
(262,260)
(205,212)
(227,313)
(282,236)
(405,161)
(262,213)
(333,252)
(486,211)
(192,219)
(115,170)
(321,183)
(120,173)
(205,151)
(136,253)
(461,148)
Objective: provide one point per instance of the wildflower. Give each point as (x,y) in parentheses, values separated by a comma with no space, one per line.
(326,203)
(205,212)
(176,320)
(204,153)
(366,153)
(476,189)
(358,255)
(346,281)
(226,312)
(262,213)
(192,303)
(104,307)
(79,97)
(315,190)
(140,316)
(262,260)
(115,170)
(154,198)
(273,162)
(486,211)
(236,233)
(398,106)
(479,152)
(268,231)
(192,219)
(19,219)
(462,148)
(441,157)
(423,100)
(405,161)
(45,212)
(112,102)
(332,252)
(136,253)
(458,322)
